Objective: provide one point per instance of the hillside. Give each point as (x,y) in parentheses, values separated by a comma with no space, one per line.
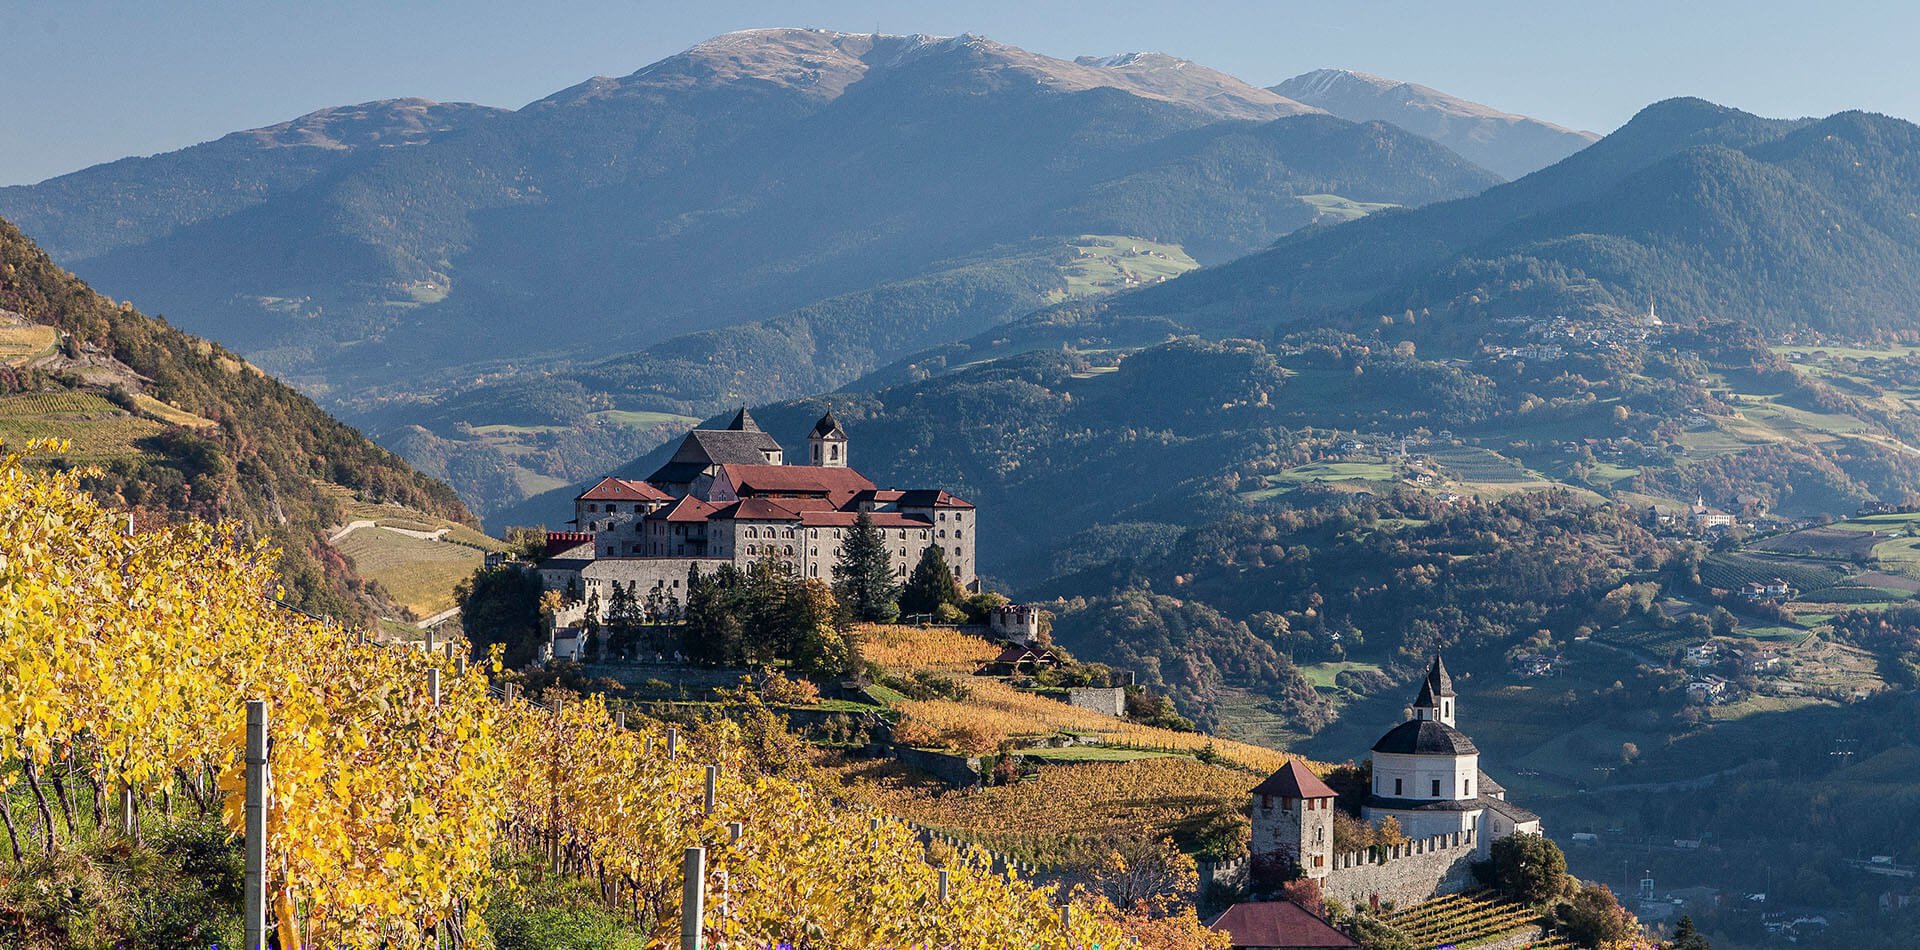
(1511,145)
(178,427)
(1805,227)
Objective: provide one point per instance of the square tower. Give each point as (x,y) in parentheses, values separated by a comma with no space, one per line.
(1292,817)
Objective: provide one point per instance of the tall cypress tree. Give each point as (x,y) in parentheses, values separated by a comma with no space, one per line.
(930,585)
(863,576)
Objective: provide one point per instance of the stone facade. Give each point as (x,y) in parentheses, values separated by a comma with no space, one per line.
(1111,701)
(1404,874)
(1017,622)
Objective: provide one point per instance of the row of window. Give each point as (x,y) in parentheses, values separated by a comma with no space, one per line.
(1466,787)
(638,509)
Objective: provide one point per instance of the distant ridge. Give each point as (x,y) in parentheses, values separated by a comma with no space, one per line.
(1511,145)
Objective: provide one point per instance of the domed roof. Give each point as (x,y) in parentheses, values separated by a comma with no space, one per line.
(1425,737)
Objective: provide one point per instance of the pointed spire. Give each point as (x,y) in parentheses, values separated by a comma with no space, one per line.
(743,421)
(1436,685)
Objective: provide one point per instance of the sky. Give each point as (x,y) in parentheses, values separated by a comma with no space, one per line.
(89,81)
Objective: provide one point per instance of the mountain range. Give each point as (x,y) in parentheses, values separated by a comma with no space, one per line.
(1509,145)
(388,258)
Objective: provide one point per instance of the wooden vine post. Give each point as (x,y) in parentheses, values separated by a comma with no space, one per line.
(256,877)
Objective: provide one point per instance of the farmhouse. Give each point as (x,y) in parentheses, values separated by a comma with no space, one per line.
(727,496)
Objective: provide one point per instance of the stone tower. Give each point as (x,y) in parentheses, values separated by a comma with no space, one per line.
(1437,700)
(827,443)
(1292,817)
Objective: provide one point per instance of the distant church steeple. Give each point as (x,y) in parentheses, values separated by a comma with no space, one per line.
(827,443)
(743,422)
(1437,699)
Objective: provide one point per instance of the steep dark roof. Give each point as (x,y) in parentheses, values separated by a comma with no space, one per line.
(1436,685)
(703,448)
(1294,780)
(828,427)
(1425,737)
(1278,924)
(930,498)
(743,422)
(1425,804)
(1488,785)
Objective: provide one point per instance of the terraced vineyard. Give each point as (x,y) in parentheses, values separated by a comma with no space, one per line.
(1463,919)
(1473,464)
(95,429)
(1736,570)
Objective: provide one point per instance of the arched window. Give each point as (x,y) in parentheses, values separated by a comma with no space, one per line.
(753,532)
(789,550)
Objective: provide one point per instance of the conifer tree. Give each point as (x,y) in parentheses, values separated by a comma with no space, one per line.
(863,576)
(931,584)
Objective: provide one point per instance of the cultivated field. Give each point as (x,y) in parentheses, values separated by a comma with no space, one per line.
(419,575)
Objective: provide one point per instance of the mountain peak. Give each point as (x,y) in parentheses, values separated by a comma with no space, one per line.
(823,64)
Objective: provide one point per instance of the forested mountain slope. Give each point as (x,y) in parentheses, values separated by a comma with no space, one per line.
(180,427)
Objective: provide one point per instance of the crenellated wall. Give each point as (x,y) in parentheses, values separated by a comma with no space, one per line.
(1404,874)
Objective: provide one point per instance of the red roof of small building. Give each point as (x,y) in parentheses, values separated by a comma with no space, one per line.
(1283,924)
(621,489)
(755,509)
(686,510)
(1294,781)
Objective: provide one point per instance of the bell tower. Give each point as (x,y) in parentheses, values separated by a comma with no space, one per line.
(827,443)
(1437,700)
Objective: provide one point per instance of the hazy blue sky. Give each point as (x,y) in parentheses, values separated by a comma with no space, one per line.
(87,81)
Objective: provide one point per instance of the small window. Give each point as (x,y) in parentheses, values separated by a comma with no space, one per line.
(1436,788)
(1396,787)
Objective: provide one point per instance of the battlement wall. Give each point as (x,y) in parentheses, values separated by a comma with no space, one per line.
(1406,873)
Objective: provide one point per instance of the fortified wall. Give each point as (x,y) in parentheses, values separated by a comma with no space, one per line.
(1405,874)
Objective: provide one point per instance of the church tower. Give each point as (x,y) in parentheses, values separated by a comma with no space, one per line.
(1437,700)
(1292,818)
(827,443)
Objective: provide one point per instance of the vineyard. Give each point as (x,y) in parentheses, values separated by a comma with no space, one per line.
(22,343)
(993,713)
(94,429)
(943,649)
(399,779)
(1463,919)
(1472,464)
(1065,816)
(1732,571)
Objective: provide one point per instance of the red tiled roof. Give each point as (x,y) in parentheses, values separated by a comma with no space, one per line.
(755,509)
(1278,924)
(839,484)
(686,510)
(1294,781)
(621,489)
